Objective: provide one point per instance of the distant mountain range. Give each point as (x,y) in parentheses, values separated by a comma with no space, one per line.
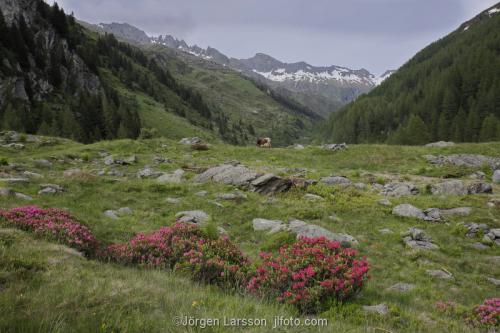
(323,89)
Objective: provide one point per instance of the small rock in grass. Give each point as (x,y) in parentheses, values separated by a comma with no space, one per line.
(313,197)
(401,287)
(494,203)
(190,141)
(176,177)
(477,175)
(496,177)
(15,180)
(399,190)
(440,144)
(33,175)
(407,210)
(147,172)
(380,309)
(201,193)
(173,201)
(264,224)
(6,192)
(23,196)
(197,217)
(334,217)
(215,203)
(335,180)
(384,202)
(417,239)
(449,187)
(231,196)
(111,214)
(124,211)
(385,231)
(42,163)
(496,282)
(72,173)
(440,274)
(314,231)
(50,189)
(479,246)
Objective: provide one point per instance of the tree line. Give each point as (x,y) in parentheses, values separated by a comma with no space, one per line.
(448,91)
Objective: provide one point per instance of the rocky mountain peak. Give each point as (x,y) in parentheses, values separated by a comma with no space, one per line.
(126,31)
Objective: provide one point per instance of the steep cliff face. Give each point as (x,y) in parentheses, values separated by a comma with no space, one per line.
(50,81)
(34,40)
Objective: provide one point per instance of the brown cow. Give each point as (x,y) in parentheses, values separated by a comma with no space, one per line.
(264,142)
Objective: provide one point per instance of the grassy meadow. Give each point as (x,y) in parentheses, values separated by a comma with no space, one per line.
(46,287)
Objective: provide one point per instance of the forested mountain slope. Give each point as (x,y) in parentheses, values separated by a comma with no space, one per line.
(58,78)
(449,91)
(247,107)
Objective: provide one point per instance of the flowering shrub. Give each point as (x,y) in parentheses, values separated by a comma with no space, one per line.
(162,248)
(53,224)
(486,314)
(308,273)
(216,261)
(185,247)
(447,307)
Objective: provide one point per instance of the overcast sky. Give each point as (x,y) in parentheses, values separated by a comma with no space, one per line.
(372,34)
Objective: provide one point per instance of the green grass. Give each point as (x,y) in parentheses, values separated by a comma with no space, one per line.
(46,288)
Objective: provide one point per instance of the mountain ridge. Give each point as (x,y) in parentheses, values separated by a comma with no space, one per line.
(323,88)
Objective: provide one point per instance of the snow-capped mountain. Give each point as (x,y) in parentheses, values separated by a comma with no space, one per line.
(324,88)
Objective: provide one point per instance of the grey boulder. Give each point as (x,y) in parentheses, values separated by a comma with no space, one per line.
(176,177)
(197,217)
(496,177)
(335,180)
(303,229)
(399,190)
(380,309)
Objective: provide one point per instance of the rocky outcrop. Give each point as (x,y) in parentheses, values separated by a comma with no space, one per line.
(233,173)
(399,190)
(148,172)
(467,160)
(417,239)
(74,71)
(301,229)
(458,187)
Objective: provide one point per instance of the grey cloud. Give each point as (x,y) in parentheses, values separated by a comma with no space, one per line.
(375,34)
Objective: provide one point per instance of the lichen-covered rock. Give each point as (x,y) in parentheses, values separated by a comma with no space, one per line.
(176,177)
(399,190)
(467,160)
(450,187)
(335,180)
(417,239)
(407,210)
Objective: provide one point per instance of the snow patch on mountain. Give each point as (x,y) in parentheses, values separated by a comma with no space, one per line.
(493,11)
(340,74)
